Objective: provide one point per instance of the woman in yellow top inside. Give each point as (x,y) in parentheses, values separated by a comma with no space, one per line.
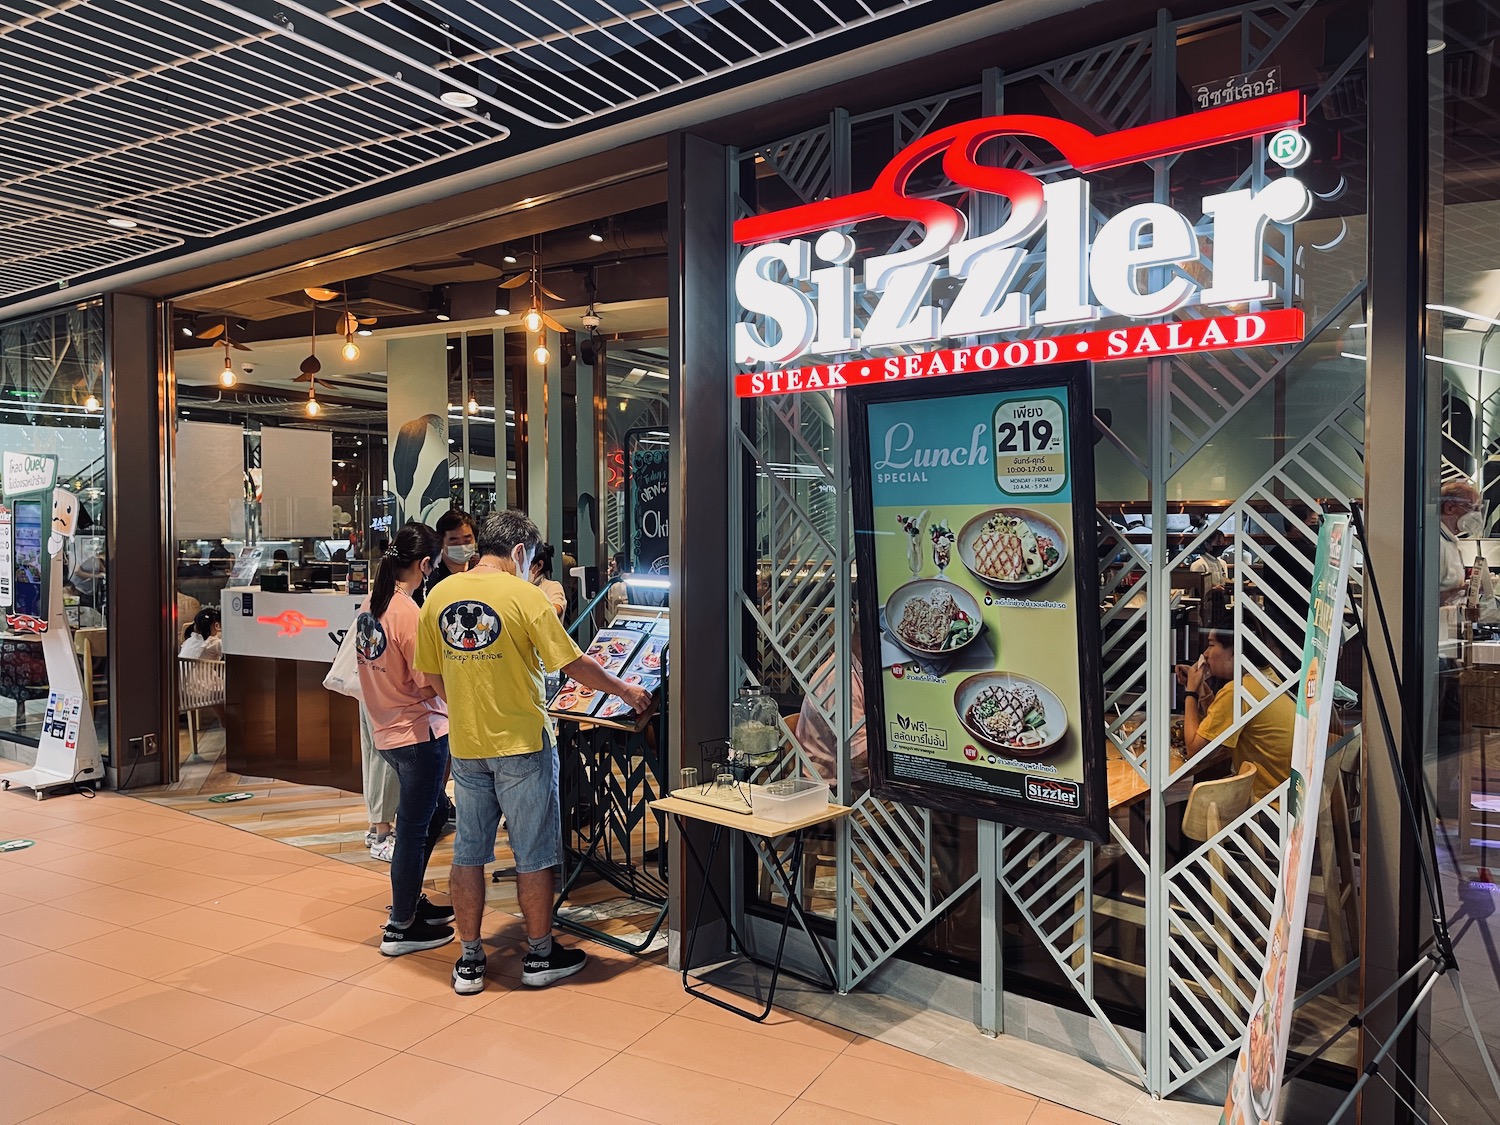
(1264,739)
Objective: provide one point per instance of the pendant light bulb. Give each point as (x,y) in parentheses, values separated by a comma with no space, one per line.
(473,406)
(350,350)
(533,320)
(91,404)
(541,355)
(227,377)
(312,405)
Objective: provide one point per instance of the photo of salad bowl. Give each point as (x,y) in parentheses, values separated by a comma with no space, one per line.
(1012,548)
(1011,713)
(933,617)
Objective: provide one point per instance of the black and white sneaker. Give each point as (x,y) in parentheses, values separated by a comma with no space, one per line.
(538,972)
(419,935)
(432,913)
(468,976)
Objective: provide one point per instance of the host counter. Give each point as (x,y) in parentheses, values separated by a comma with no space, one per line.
(282,722)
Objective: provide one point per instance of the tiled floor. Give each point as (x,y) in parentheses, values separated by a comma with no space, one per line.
(249,991)
(332,823)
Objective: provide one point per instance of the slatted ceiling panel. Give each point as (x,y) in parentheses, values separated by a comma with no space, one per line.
(197,119)
(556,63)
(39,246)
(200,118)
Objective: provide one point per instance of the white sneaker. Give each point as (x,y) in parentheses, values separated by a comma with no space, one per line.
(371,838)
(384,850)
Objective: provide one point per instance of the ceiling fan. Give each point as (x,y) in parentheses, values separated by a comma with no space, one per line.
(536,316)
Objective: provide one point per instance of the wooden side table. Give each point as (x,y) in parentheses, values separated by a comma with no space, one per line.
(762,835)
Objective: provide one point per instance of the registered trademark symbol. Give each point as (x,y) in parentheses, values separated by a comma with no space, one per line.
(1289,148)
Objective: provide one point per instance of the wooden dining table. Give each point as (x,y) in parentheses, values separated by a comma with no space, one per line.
(1126,786)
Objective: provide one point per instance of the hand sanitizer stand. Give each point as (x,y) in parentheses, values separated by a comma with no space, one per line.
(68,752)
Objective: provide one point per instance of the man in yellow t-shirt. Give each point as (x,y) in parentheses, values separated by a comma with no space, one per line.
(1264,739)
(485,635)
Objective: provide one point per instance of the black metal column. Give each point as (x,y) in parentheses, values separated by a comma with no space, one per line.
(700,399)
(1400,490)
(143,727)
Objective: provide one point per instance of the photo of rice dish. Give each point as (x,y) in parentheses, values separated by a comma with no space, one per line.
(934,622)
(1011,716)
(1012,546)
(1011,712)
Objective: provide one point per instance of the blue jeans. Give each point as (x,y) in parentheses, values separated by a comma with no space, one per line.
(420,819)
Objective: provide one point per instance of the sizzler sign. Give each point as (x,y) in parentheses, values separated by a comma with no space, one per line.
(805,290)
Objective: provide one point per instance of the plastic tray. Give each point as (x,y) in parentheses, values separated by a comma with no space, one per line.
(789,800)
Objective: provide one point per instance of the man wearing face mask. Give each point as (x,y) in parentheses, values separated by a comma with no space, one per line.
(1460,510)
(456,529)
(485,637)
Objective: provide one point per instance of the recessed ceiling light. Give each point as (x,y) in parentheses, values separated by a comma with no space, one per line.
(122,222)
(458,99)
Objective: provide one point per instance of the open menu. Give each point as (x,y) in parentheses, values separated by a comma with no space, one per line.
(635,649)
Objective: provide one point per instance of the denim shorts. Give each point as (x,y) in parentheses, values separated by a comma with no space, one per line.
(524,788)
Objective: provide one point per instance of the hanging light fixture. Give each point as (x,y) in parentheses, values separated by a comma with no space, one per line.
(350,350)
(312,402)
(596,231)
(502,301)
(541,355)
(91,404)
(534,320)
(227,377)
(473,405)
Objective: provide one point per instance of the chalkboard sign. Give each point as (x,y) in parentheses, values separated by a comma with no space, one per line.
(647,542)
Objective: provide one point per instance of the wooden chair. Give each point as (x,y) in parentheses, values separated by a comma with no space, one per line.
(1336,881)
(200,685)
(1210,806)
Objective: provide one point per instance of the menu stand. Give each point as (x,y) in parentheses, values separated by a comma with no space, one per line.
(762,835)
(608,778)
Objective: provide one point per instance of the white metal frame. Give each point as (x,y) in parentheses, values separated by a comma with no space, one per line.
(1198,955)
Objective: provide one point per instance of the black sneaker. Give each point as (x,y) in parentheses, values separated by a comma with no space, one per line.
(468,976)
(418,935)
(539,972)
(433,914)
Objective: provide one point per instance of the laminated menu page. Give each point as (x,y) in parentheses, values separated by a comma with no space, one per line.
(644,670)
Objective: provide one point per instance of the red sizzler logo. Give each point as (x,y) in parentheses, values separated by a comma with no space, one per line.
(1143,263)
(292,622)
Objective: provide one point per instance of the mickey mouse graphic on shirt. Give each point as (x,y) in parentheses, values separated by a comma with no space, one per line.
(369,637)
(469,626)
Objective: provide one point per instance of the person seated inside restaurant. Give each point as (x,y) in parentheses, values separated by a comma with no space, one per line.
(817,737)
(1209,710)
(202,641)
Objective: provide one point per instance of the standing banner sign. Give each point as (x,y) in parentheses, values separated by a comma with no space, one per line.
(1255,1086)
(646,496)
(978,596)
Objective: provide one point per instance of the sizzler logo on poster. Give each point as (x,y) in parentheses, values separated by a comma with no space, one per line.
(1052,791)
(799,294)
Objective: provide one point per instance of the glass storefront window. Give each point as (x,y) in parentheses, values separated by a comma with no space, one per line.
(1463,744)
(52,392)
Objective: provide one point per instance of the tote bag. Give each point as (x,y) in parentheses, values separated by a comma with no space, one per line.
(343,677)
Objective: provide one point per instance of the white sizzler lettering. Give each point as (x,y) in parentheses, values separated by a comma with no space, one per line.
(1119,256)
(1240,219)
(1132,266)
(1067,260)
(783,303)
